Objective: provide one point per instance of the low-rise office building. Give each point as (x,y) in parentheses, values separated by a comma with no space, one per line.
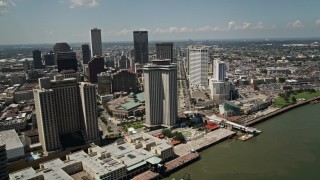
(120,160)
(14,146)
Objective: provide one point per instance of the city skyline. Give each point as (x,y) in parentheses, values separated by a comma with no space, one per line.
(28,22)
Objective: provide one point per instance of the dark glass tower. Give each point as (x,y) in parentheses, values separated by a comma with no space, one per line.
(67,61)
(37,60)
(141,51)
(85,53)
(96,66)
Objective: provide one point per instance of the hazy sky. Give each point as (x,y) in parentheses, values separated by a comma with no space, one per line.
(50,21)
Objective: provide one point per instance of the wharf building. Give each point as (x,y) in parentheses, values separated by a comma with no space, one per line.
(37,60)
(64,109)
(198,65)
(122,159)
(160,92)
(85,53)
(141,50)
(96,43)
(164,50)
(95,66)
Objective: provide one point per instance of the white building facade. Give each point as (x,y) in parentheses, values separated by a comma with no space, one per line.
(220,69)
(198,66)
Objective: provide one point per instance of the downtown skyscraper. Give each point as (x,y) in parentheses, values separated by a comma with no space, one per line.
(37,60)
(164,50)
(160,92)
(198,58)
(96,43)
(141,50)
(86,54)
(64,106)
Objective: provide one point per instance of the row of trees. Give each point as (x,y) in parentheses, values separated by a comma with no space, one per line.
(289,91)
(175,135)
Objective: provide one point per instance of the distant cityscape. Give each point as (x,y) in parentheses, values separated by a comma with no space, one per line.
(141,110)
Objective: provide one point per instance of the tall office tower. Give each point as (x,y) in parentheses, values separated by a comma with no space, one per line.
(3,161)
(122,64)
(104,83)
(96,66)
(160,92)
(96,43)
(219,70)
(89,110)
(141,50)
(48,59)
(37,60)
(85,53)
(164,50)
(198,66)
(60,47)
(62,109)
(67,61)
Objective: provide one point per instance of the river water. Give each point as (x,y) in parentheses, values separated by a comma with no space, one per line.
(288,148)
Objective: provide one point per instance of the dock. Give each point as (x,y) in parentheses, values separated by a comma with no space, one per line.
(245,137)
(252,121)
(206,141)
(147,175)
(180,162)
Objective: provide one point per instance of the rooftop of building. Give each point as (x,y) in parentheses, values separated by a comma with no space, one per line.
(130,154)
(11,139)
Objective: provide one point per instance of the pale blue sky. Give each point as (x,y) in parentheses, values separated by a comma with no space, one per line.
(50,21)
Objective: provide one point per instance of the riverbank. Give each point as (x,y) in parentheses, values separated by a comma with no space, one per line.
(289,149)
(253,121)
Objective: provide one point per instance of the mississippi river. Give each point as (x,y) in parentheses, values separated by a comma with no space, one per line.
(288,148)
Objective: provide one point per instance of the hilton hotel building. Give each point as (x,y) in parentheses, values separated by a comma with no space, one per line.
(64,106)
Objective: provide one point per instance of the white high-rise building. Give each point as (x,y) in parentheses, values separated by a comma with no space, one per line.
(219,70)
(160,92)
(64,106)
(220,91)
(198,65)
(96,43)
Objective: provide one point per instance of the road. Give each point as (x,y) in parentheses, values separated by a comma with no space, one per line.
(110,123)
(183,93)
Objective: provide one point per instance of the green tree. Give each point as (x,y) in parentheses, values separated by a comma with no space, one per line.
(286,98)
(293,99)
(178,136)
(167,133)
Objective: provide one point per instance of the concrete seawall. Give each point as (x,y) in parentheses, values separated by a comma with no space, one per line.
(277,112)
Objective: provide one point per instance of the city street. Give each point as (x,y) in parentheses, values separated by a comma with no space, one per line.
(183,93)
(103,126)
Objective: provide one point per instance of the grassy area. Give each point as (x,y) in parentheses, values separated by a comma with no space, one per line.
(135,126)
(280,102)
